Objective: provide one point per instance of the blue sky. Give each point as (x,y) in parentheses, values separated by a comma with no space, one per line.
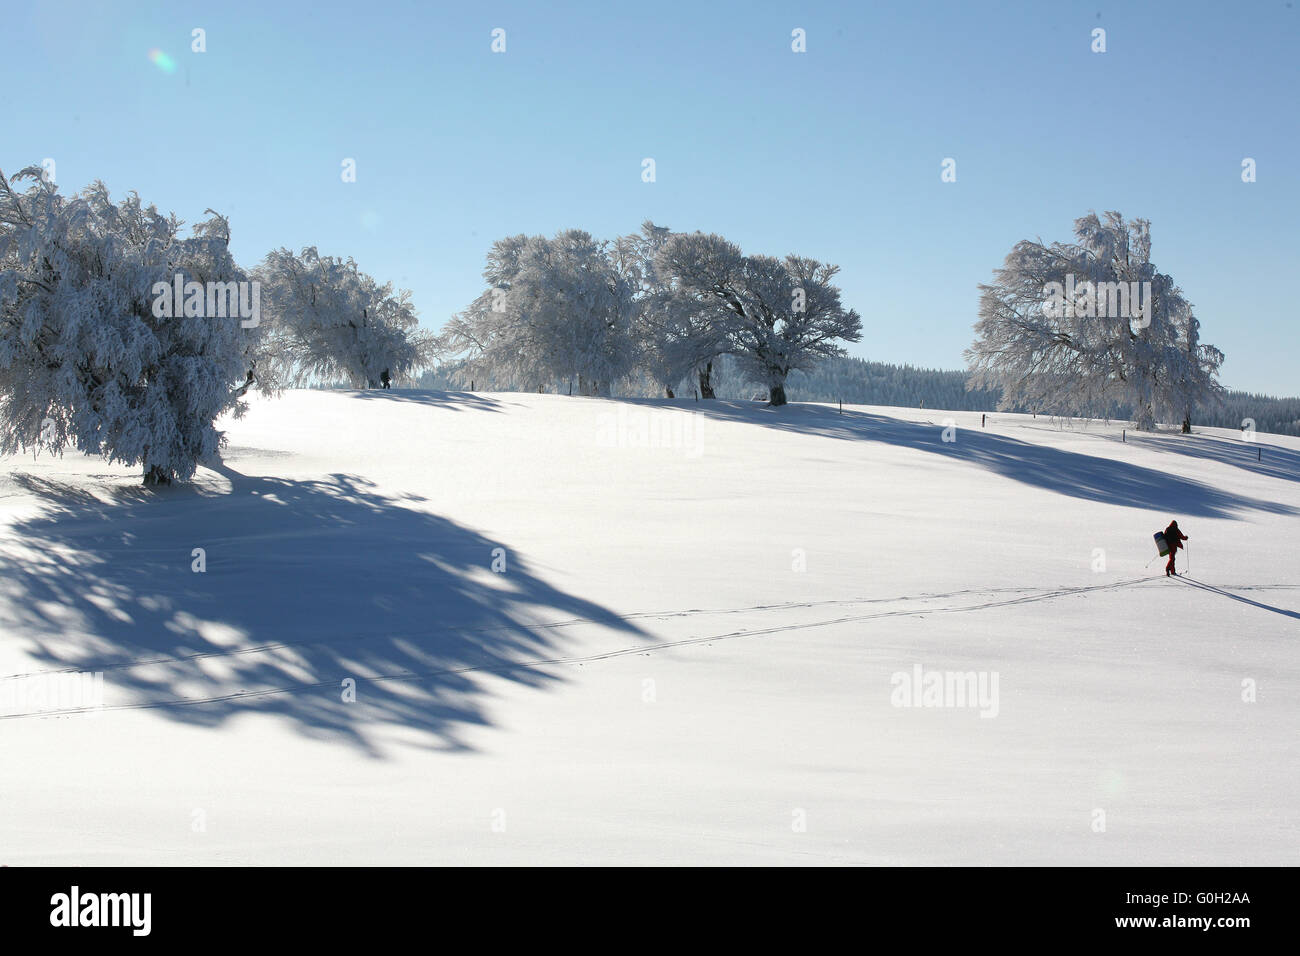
(834,153)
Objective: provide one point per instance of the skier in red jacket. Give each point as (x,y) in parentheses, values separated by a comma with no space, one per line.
(1174,539)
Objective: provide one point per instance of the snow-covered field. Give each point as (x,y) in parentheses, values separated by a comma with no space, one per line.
(690,651)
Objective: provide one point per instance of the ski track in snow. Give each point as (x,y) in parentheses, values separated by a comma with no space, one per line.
(570,622)
(1033,597)
(1033,594)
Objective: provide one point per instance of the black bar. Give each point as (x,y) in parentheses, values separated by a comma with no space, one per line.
(254,907)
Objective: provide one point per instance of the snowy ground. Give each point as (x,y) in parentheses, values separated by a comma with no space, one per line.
(653,678)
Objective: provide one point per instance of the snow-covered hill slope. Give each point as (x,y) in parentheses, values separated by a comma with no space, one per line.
(694,648)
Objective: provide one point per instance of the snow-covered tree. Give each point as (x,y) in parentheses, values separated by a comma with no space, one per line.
(1072,327)
(778,314)
(1194,373)
(328,320)
(484,343)
(94,354)
(556,310)
(680,335)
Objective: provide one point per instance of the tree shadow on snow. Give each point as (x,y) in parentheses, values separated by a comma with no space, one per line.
(1052,469)
(307,583)
(453,401)
(1258,457)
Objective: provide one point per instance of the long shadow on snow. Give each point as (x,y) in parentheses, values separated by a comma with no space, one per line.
(453,401)
(1052,469)
(1237,597)
(1275,462)
(345,581)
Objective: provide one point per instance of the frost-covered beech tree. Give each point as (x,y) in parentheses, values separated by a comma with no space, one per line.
(777,314)
(680,335)
(556,310)
(1195,373)
(93,355)
(326,320)
(1071,327)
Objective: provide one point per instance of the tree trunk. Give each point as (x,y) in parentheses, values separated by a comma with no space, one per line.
(157,475)
(1187,424)
(670,393)
(706,381)
(777,395)
(1145,377)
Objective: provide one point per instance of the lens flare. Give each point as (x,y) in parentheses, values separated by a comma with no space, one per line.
(1113,782)
(162,60)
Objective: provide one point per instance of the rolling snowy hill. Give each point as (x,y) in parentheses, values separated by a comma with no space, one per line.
(592,631)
